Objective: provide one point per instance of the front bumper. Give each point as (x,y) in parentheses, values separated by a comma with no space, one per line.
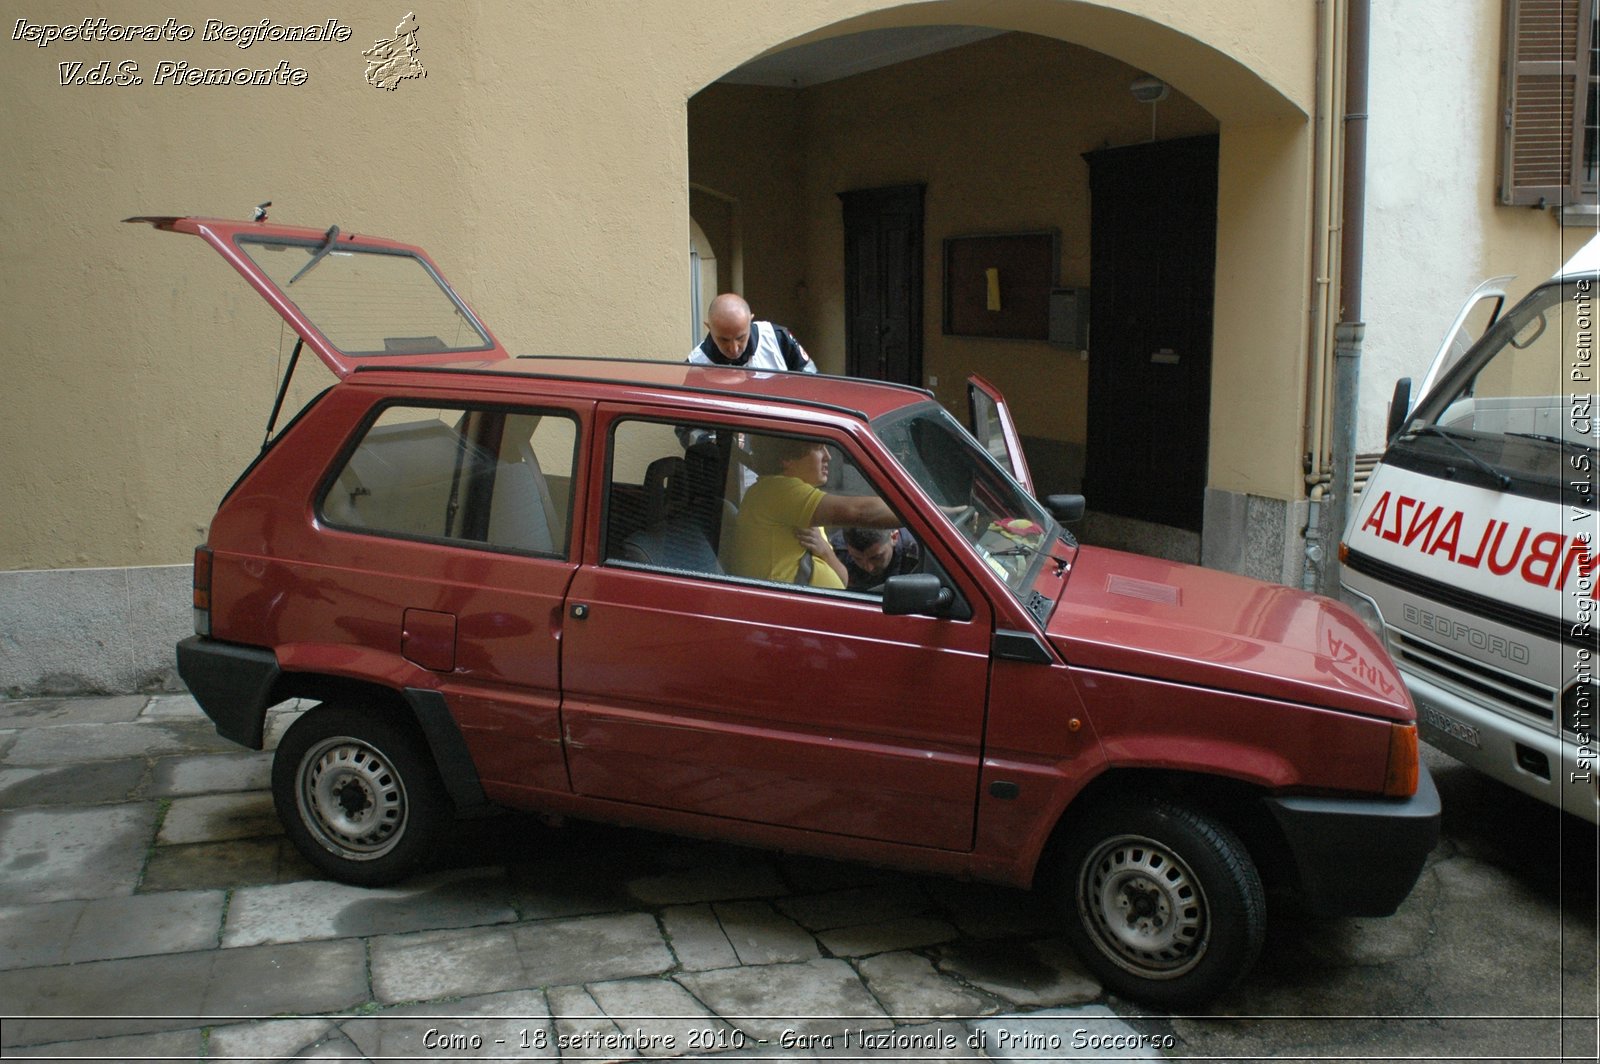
(1500,747)
(1359,857)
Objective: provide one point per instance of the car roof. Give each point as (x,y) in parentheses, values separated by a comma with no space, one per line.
(628,378)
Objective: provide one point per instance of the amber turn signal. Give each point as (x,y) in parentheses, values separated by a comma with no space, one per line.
(1400,781)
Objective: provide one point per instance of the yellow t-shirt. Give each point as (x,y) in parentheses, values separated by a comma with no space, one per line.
(765,547)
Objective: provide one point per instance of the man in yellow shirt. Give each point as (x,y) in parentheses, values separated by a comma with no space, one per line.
(777,535)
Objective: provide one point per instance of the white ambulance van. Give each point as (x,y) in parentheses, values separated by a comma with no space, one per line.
(1472,548)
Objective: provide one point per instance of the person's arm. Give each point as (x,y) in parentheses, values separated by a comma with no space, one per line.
(860,511)
(814,541)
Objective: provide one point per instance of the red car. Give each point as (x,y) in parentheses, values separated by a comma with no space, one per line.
(559,584)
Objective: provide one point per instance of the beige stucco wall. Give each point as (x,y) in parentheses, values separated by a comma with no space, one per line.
(543,160)
(997,131)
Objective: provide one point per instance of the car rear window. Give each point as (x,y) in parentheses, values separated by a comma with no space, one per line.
(491,477)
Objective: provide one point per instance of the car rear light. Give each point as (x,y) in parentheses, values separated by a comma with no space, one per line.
(202,590)
(1400,781)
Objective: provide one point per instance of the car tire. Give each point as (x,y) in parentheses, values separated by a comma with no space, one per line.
(1164,904)
(358,795)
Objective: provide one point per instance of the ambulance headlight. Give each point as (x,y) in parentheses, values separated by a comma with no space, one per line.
(1365,609)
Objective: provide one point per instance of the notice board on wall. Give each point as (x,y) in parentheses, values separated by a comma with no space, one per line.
(999,285)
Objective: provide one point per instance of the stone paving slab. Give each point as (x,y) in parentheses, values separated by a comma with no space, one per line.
(63,853)
(1037,974)
(507,1026)
(305,911)
(816,997)
(438,964)
(71,744)
(910,988)
(47,712)
(218,817)
(697,938)
(235,863)
(659,1018)
(905,933)
(211,773)
(759,934)
(146,994)
(270,1040)
(163,1047)
(67,932)
(95,783)
(172,706)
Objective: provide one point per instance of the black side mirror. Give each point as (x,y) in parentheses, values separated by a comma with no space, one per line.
(916,593)
(1399,407)
(1065,508)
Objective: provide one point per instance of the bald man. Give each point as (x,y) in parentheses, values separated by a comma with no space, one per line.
(734,338)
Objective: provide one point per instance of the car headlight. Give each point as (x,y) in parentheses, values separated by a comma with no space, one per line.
(1365,608)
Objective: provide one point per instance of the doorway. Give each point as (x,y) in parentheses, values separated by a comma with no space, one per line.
(1152,264)
(883,283)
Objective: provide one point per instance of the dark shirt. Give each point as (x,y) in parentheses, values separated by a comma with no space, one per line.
(907,559)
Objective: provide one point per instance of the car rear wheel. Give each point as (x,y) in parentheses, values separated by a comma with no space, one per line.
(358,795)
(1165,904)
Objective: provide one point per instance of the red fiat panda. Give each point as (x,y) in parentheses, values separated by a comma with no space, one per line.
(528,582)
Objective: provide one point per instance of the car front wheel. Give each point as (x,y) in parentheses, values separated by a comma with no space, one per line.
(1165,904)
(358,795)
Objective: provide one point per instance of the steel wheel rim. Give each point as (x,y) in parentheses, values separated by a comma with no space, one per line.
(1144,907)
(352,798)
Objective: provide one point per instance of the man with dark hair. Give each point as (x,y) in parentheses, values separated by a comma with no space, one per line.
(873,555)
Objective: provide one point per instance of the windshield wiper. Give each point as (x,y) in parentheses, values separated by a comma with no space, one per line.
(327,245)
(1540,436)
(1434,430)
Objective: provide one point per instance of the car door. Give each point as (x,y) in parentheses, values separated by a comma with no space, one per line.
(989,419)
(732,697)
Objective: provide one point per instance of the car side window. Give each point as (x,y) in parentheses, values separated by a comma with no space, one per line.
(722,501)
(498,478)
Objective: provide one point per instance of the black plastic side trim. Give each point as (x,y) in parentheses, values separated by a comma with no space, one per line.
(450,753)
(1020,646)
(233,685)
(1359,857)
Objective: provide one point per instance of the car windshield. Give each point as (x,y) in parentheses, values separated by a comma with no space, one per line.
(1009,530)
(1510,405)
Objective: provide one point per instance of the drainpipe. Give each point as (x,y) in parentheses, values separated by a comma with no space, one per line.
(1349,332)
(1325,187)
(1316,553)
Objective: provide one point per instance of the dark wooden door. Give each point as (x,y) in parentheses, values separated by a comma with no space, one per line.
(883,283)
(1152,248)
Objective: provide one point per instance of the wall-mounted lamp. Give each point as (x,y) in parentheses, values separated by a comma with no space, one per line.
(1151,91)
(1148,89)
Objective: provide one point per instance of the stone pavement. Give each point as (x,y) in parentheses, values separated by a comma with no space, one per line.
(151,908)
